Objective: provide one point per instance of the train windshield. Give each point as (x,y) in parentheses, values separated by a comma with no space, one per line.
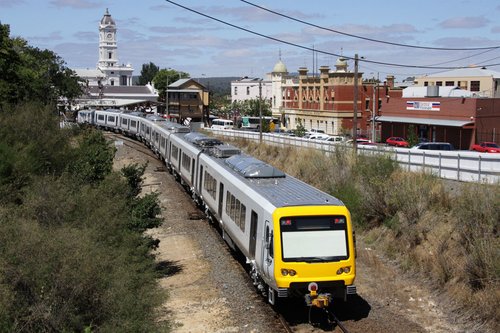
(314,238)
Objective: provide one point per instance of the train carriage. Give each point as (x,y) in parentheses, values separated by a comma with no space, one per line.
(129,123)
(298,240)
(107,119)
(85,117)
(291,233)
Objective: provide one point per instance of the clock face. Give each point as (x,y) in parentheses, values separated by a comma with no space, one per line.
(109,36)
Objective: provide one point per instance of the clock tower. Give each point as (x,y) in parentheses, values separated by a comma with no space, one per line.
(116,74)
(107,42)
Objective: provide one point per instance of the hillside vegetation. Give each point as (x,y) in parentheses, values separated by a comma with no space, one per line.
(450,240)
(73,255)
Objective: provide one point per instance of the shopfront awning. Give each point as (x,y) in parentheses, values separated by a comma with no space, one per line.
(424,121)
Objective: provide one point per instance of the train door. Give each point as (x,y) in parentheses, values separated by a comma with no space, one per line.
(253,233)
(200,180)
(221,198)
(192,171)
(268,253)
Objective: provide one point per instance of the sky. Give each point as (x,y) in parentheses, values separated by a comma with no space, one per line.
(252,40)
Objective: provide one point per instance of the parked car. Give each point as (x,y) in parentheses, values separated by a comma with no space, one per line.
(434,146)
(318,136)
(486,147)
(397,141)
(336,138)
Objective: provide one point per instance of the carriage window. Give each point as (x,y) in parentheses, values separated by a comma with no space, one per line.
(111,118)
(100,117)
(124,121)
(210,184)
(186,161)
(236,210)
(133,123)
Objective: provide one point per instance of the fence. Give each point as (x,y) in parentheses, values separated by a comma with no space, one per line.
(467,166)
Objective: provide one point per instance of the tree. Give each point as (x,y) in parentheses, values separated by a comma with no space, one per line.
(31,74)
(164,78)
(148,72)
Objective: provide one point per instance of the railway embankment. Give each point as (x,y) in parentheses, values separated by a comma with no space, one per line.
(445,235)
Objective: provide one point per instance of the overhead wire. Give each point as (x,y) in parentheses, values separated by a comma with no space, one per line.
(309,48)
(370,39)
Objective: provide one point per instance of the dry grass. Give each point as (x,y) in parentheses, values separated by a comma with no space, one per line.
(450,239)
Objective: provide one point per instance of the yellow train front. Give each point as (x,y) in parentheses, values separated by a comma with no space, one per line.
(314,253)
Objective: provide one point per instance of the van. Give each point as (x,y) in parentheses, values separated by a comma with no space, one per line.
(222,124)
(434,146)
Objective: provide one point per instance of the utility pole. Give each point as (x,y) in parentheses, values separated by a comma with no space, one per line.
(260,111)
(374,109)
(355,109)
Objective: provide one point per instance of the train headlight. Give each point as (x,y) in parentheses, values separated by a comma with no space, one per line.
(285,272)
(340,271)
(347,269)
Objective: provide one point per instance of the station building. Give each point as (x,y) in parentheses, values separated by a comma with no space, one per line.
(109,85)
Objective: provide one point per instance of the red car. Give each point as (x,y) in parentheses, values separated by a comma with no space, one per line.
(486,147)
(397,141)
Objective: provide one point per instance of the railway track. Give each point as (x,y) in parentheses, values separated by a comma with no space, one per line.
(143,149)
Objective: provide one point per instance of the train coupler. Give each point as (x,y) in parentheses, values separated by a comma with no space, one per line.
(322,300)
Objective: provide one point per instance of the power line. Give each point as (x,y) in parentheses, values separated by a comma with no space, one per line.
(311,49)
(370,39)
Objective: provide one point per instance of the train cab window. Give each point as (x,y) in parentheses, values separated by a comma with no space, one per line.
(300,237)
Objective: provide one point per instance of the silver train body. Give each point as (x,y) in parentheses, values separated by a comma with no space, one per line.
(297,240)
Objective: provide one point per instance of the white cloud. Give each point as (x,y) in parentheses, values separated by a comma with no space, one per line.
(464,22)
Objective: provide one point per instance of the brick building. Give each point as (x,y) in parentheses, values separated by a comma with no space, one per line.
(440,113)
(324,101)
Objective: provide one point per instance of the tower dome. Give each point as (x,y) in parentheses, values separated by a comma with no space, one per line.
(280,67)
(341,65)
(107,19)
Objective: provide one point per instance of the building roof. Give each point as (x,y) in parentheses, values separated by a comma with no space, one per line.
(178,83)
(92,73)
(133,90)
(424,121)
(443,91)
(467,72)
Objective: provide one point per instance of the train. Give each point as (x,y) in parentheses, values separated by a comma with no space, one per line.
(297,240)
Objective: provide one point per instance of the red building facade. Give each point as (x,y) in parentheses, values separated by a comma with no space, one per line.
(461,121)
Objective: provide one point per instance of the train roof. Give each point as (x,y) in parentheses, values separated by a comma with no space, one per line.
(278,188)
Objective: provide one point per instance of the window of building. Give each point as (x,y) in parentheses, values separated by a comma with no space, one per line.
(367,104)
(248,90)
(475,86)
(462,85)
(112,82)
(439,83)
(110,55)
(236,90)
(426,84)
(449,83)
